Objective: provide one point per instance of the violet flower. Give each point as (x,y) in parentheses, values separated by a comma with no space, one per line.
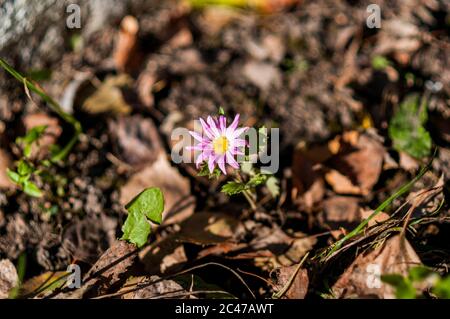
(219,144)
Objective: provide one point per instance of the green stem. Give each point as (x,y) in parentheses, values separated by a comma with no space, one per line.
(54,106)
(246,192)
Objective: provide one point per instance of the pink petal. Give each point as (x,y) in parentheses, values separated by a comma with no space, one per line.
(238,132)
(233,125)
(199,160)
(211,164)
(206,129)
(240,142)
(196,135)
(222,166)
(222,123)
(231,160)
(213,126)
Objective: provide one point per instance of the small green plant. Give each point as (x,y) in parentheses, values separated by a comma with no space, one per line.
(59,153)
(406,128)
(26,170)
(146,207)
(407,287)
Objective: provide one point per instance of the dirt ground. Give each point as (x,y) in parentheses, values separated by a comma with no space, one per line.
(313,69)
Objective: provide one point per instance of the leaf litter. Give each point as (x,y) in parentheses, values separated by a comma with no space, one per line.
(351,135)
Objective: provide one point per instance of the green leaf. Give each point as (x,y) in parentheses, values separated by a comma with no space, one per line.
(442,288)
(233,188)
(40,74)
(24,169)
(419,273)
(136,229)
(221,111)
(150,203)
(27,150)
(256,180)
(204,171)
(404,288)
(31,189)
(147,205)
(32,135)
(13,176)
(406,128)
(380,62)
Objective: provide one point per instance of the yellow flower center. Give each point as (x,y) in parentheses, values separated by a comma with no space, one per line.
(220,145)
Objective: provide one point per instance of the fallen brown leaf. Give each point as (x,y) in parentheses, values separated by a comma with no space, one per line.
(362,278)
(109,97)
(150,287)
(136,140)
(179,203)
(209,228)
(359,161)
(341,211)
(110,269)
(165,255)
(299,285)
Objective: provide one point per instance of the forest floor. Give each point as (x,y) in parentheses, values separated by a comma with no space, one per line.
(361,113)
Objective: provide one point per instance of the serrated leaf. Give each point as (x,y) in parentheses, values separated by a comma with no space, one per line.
(31,189)
(256,180)
(150,203)
(233,188)
(204,171)
(23,168)
(136,229)
(406,128)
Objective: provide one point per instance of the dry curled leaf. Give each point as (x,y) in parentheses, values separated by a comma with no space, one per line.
(298,286)
(109,270)
(150,287)
(360,161)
